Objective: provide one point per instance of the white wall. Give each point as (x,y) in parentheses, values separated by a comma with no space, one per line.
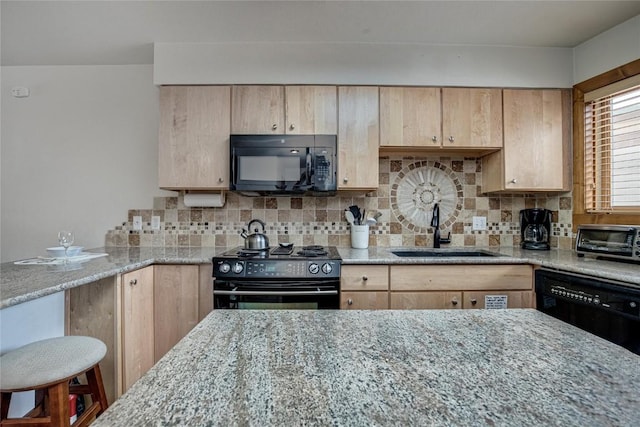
(76,154)
(362,63)
(613,48)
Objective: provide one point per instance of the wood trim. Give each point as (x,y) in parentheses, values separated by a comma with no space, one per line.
(620,73)
(580,216)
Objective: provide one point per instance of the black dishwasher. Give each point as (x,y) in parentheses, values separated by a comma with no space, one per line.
(605,308)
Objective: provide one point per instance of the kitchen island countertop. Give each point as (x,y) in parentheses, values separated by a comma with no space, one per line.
(356,368)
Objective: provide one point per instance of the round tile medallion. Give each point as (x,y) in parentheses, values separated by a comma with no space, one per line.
(418,187)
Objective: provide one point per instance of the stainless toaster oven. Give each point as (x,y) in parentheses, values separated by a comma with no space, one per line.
(609,241)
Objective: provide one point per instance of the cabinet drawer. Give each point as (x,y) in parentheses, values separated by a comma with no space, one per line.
(461,277)
(515,299)
(364,300)
(425,300)
(364,278)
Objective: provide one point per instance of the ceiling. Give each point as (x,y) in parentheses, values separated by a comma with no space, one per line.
(123,32)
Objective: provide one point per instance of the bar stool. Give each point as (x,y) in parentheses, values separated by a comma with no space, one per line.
(47,366)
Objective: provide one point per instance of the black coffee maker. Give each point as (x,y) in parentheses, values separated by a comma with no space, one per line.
(535,229)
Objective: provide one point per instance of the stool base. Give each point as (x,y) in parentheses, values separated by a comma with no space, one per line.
(52,407)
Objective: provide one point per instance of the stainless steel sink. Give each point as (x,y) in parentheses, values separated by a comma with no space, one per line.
(434,253)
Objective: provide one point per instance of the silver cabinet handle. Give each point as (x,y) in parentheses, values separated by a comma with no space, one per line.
(365,278)
(292,126)
(434,139)
(345,180)
(451,139)
(349,301)
(220,180)
(274,126)
(133,282)
(474,301)
(514,181)
(454,301)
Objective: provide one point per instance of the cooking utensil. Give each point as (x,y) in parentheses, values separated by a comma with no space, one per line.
(258,241)
(349,216)
(377,215)
(371,221)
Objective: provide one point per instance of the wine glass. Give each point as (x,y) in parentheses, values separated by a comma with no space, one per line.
(65,238)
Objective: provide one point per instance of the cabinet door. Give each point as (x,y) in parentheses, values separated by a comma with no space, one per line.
(257,110)
(410,117)
(137,324)
(358,137)
(471,118)
(311,110)
(205,300)
(176,289)
(91,312)
(533,140)
(425,300)
(515,299)
(364,277)
(194,137)
(465,277)
(364,300)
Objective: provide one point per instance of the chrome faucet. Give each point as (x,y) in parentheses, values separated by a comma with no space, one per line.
(435,223)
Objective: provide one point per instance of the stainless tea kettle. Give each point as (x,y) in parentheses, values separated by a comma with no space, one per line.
(256,241)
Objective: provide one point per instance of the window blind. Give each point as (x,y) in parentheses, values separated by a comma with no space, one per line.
(612,149)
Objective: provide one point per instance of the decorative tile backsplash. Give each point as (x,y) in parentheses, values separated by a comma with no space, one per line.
(320,220)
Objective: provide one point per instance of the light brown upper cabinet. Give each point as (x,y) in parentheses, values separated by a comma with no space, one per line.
(358,137)
(410,117)
(295,110)
(471,118)
(257,109)
(422,119)
(311,110)
(194,137)
(536,154)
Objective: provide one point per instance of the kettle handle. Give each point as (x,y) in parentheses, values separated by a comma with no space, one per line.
(259,222)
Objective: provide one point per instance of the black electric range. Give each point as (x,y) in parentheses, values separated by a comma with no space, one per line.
(282,262)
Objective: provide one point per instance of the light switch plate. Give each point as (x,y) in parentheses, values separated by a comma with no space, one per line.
(155,222)
(479,222)
(137,223)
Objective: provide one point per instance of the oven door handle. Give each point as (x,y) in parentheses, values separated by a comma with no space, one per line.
(278,293)
(284,284)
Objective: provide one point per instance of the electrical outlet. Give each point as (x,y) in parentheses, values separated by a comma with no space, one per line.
(155,222)
(479,222)
(137,223)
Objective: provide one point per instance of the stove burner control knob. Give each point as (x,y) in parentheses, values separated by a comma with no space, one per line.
(326,268)
(224,268)
(238,267)
(314,268)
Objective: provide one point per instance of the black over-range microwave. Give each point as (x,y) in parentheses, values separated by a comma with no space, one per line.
(283,164)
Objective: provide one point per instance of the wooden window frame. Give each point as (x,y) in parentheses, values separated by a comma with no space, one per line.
(580,214)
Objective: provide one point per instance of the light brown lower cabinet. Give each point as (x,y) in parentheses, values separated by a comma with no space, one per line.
(364,300)
(460,286)
(515,299)
(425,300)
(137,325)
(364,287)
(138,315)
(175,305)
(414,287)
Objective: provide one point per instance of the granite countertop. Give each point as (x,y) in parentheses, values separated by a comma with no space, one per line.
(357,368)
(22,283)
